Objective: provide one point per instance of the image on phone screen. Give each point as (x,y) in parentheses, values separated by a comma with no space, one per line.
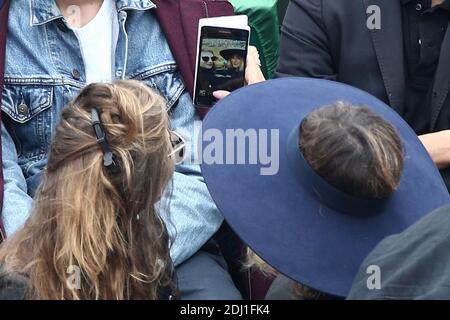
(221,62)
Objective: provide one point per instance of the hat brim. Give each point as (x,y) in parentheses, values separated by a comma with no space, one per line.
(228,53)
(282,221)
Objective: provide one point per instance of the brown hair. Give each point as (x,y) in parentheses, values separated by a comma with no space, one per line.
(353,149)
(105,224)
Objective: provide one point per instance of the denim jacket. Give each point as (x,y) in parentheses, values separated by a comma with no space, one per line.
(44,70)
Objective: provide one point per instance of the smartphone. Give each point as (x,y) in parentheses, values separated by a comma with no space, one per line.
(221,62)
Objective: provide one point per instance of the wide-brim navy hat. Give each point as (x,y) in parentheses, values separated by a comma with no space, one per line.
(228,53)
(318,239)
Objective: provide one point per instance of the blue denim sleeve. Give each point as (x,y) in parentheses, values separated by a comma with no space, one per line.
(16,202)
(191,216)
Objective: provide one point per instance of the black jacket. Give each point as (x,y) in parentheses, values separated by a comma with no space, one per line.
(414,264)
(330,39)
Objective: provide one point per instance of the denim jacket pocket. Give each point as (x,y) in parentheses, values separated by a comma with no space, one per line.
(164,78)
(29,118)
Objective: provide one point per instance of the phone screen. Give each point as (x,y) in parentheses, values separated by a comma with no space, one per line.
(221,62)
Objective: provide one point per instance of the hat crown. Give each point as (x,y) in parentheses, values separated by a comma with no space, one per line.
(327,194)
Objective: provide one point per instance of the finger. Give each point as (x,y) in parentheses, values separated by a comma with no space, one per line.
(220,94)
(253,55)
(253,50)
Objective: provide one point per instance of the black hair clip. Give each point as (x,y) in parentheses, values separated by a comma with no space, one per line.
(109,159)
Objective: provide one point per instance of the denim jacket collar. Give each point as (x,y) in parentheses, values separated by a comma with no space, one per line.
(134,4)
(44,11)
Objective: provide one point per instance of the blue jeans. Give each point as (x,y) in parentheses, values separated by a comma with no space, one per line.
(205,276)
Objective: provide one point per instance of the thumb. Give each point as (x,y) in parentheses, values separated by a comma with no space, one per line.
(220,94)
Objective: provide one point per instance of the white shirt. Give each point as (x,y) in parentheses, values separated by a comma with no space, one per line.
(98,42)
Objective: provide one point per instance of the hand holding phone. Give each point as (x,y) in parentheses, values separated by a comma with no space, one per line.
(221,57)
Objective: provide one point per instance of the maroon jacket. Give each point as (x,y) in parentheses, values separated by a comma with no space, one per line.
(179,21)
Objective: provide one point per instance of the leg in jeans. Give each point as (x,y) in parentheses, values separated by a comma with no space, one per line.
(205,276)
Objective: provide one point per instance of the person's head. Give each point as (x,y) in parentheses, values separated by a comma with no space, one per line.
(207,59)
(87,217)
(220,63)
(353,149)
(300,291)
(236,61)
(343,167)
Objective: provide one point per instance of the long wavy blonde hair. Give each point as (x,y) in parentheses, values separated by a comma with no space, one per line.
(104,224)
